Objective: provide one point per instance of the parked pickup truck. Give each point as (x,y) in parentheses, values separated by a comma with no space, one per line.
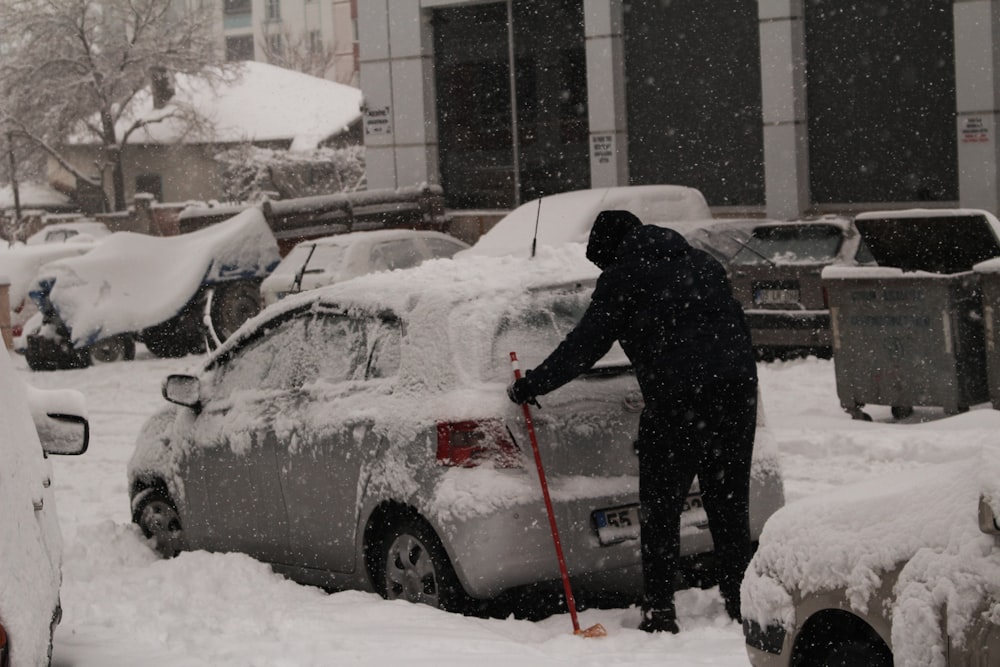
(178,295)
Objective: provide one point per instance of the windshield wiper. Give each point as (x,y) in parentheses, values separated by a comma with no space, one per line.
(297,283)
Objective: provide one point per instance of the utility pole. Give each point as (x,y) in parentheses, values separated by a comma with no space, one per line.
(13,182)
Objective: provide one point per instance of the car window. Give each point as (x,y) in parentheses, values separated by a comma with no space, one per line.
(386,339)
(401,254)
(341,353)
(442,247)
(791,244)
(535,325)
(282,358)
(312,257)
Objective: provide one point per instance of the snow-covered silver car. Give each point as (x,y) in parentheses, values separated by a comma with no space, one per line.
(903,569)
(359,436)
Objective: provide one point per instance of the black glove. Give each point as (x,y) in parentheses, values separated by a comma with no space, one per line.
(520,392)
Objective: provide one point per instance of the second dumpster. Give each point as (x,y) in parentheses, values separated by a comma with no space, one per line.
(909,332)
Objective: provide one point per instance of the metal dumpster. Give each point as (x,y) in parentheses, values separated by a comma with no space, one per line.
(909,332)
(988,273)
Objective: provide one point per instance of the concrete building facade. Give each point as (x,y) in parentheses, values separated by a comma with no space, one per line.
(318,37)
(783,108)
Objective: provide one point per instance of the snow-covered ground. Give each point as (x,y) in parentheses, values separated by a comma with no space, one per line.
(123,606)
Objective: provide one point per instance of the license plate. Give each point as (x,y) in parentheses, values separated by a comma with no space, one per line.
(619,524)
(767,297)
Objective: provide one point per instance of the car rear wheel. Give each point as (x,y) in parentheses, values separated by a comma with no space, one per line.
(160,522)
(414,567)
(114,348)
(232,304)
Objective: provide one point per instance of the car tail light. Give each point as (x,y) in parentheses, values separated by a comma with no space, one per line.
(471,443)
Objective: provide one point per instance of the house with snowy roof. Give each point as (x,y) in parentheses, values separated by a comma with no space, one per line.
(260,105)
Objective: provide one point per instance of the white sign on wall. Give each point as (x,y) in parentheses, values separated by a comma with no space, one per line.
(378,121)
(974,130)
(602,149)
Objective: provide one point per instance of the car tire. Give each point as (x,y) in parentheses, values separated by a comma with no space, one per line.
(160,522)
(901,411)
(413,566)
(232,304)
(852,653)
(181,335)
(111,349)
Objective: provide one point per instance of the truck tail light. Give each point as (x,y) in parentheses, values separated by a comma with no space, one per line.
(471,443)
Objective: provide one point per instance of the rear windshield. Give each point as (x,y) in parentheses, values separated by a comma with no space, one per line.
(536,324)
(320,258)
(791,244)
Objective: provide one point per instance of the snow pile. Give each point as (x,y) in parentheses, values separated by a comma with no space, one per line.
(134,281)
(567,217)
(20,264)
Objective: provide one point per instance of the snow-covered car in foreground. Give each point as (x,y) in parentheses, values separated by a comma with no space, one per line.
(175,294)
(332,259)
(900,570)
(359,436)
(35,423)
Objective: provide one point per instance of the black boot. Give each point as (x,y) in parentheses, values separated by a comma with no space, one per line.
(659,620)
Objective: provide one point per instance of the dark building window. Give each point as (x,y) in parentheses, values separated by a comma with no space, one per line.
(881,101)
(236,7)
(693,91)
(151,184)
(239,48)
(474,100)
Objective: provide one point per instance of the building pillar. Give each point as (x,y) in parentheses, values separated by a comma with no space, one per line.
(977,92)
(783,99)
(397,80)
(603,30)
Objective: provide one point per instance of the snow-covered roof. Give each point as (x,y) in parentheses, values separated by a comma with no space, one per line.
(33,195)
(260,102)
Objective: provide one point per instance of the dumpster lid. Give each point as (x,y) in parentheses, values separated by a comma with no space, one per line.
(936,241)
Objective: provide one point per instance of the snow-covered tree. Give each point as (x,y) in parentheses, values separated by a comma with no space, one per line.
(251,173)
(77,68)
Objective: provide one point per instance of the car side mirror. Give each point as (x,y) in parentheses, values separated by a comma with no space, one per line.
(987,518)
(63,434)
(183,390)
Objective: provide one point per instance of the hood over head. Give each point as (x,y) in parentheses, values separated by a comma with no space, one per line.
(606,236)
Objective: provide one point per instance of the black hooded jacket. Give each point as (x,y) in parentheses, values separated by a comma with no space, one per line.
(668,304)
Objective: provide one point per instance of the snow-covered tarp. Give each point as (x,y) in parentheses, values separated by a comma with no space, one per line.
(19,264)
(567,217)
(134,281)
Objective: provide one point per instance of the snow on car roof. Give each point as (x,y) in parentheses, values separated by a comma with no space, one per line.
(852,537)
(132,281)
(567,217)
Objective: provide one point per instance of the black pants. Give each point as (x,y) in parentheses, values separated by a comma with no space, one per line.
(708,432)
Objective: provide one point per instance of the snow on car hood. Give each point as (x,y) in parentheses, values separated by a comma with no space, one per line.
(134,281)
(924,521)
